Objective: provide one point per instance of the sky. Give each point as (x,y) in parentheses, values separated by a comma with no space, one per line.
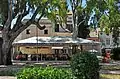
(69,6)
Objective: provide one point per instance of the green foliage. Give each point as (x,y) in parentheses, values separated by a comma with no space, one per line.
(85,65)
(44,73)
(58,13)
(109,21)
(96,4)
(104,22)
(115,53)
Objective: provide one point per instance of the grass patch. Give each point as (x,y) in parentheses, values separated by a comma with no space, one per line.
(109,76)
(9,71)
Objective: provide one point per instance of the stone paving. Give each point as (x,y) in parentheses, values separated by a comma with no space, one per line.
(116,72)
(114,63)
(7,77)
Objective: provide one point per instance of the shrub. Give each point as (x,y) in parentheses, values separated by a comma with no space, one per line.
(44,73)
(115,53)
(85,65)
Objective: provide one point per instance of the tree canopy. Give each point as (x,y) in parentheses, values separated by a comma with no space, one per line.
(110,19)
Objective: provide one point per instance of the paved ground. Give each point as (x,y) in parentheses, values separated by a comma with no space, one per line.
(7,77)
(113,63)
(116,72)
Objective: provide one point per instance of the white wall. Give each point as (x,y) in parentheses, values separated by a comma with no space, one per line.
(106,40)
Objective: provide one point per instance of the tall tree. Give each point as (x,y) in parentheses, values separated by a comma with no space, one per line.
(110,20)
(82,11)
(18,9)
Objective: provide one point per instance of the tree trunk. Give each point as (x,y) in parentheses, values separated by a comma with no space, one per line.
(1,55)
(75,28)
(6,48)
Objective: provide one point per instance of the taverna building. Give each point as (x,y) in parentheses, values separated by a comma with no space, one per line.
(51,43)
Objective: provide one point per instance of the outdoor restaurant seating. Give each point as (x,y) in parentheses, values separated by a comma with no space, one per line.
(43,57)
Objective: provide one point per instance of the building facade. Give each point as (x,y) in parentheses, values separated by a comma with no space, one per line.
(58,51)
(106,40)
(50,30)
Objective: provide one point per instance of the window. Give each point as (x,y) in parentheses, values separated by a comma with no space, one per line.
(45,31)
(69,21)
(107,41)
(28,31)
(57,28)
(27,47)
(69,17)
(57,18)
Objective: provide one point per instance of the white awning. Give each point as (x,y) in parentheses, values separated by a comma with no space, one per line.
(54,40)
(57,47)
